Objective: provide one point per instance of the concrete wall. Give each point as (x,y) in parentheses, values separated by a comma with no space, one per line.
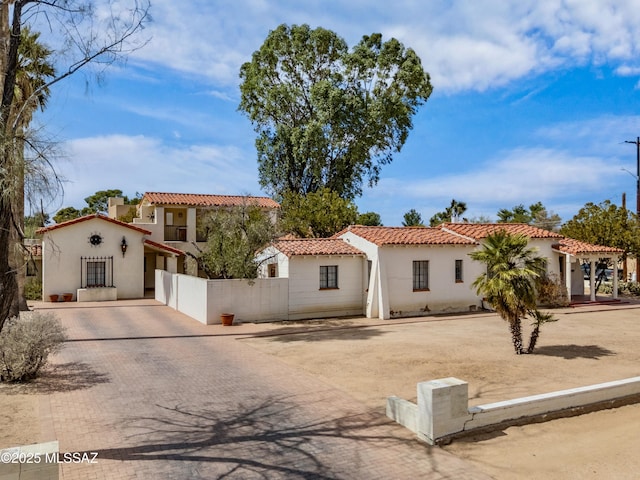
(63,247)
(442,410)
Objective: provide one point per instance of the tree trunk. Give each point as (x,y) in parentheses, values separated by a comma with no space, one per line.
(533,339)
(516,335)
(8,284)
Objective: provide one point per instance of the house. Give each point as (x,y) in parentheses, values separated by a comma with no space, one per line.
(326,276)
(99,258)
(410,271)
(414,271)
(175,219)
(564,255)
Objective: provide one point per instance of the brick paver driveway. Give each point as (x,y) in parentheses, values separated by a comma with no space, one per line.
(159,396)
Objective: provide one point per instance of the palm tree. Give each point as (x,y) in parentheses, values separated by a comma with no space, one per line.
(456,209)
(31,93)
(509,283)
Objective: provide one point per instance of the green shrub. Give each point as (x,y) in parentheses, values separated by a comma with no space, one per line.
(26,343)
(33,290)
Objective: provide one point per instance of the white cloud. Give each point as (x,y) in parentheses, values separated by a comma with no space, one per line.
(138,164)
(464,45)
(525,175)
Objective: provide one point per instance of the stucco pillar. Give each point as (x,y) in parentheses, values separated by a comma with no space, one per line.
(615,277)
(172,264)
(372,309)
(443,408)
(568,274)
(191,224)
(383,289)
(592,280)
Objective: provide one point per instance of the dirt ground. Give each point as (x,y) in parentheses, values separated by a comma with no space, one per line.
(584,347)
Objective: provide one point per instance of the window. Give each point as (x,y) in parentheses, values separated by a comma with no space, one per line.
(273,270)
(96,274)
(459,271)
(328,276)
(420,275)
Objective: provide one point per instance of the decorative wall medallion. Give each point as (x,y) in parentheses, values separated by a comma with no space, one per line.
(95,239)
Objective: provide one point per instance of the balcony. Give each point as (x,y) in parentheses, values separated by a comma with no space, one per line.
(173,233)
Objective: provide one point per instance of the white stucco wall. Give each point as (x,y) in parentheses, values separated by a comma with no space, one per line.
(307,300)
(444,294)
(63,247)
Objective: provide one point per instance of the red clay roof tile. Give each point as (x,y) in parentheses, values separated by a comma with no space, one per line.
(406,235)
(163,246)
(575,247)
(315,246)
(90,217)
(479,231)
(203,200)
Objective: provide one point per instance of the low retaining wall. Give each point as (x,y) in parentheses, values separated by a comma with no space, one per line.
(443,406)
(97,294)
(39,461)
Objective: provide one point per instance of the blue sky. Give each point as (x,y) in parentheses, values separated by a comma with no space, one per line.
(532,101)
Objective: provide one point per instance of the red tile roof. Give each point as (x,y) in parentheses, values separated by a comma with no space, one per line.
(479,231)
(163,246)
(202,200)
(315,246)
(576,247)
(406,235)
(91,217)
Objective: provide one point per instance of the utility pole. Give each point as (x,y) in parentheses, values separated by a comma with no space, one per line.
(637,143)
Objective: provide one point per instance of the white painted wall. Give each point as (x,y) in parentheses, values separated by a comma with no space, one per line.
(63,247)
(444,295)
(261,300)
(307,300)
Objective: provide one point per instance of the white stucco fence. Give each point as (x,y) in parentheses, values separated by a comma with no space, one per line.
(259,300)
(442,410)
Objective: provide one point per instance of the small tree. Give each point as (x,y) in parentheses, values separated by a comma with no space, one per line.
(371,219)
(412,219)
(26,343)
(536,214)
(318,214)
(233,238)
(509,283)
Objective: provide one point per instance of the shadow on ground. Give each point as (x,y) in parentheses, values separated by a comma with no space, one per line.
(63,377)
(571,352)
(320,334)
(269,439)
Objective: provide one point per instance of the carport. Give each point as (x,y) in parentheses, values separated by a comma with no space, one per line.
(574,252)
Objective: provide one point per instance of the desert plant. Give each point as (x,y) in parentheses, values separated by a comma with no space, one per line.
(624,288)
(33,290)
(509,283)
(551,292)
(26,343)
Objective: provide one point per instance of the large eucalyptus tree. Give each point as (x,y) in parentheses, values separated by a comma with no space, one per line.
(327,116)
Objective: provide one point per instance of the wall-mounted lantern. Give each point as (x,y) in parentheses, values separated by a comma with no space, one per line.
(123,246)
